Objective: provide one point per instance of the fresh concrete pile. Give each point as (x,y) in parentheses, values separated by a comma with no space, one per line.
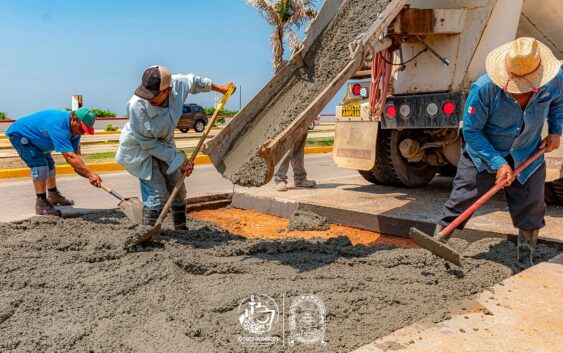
(71,286)
(325,59)
(305,220)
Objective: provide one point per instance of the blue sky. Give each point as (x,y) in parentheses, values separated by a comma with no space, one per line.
(51,49)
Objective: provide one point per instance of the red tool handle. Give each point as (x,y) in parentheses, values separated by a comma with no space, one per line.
(462,217)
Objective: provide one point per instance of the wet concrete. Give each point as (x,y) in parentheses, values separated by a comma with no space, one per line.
(70,285)
(305,220)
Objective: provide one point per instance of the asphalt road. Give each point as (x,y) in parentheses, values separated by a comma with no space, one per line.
(18,198)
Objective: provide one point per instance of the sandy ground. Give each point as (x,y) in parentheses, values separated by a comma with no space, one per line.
(70,285)
(256,225)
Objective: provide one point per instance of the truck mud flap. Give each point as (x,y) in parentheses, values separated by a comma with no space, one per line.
(354,144)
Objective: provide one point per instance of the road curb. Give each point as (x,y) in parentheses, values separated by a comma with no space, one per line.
(112,166)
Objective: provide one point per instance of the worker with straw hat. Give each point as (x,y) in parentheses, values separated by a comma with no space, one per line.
(502,125)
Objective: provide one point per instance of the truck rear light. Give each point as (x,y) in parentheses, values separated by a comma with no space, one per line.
(405,110)
(356,89)
(364,92)
(432,109)
(390,112)
(448,108)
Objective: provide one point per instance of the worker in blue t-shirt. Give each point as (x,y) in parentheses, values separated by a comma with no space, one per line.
(34,137)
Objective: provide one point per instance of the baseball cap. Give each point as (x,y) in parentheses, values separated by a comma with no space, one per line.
(87,119)
(155,79)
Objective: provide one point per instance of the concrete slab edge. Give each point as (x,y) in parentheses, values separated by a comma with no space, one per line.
(392,225)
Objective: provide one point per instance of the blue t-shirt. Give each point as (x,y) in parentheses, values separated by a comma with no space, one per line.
(48,130)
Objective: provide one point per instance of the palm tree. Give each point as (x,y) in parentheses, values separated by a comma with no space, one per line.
(284,16)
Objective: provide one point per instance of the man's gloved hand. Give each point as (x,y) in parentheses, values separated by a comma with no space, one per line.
(95,180)
(504,175)
(187,167)
(551,143)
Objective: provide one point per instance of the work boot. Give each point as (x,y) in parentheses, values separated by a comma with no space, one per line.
(44,208)
(527,240)
(150,217)
(305,183)
(57,199)
(281,186)
(179,217)
(439,228)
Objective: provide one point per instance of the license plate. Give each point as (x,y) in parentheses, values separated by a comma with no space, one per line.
(351,110)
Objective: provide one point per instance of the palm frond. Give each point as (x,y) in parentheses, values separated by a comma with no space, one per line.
(266,9)
(301,13)
(293,41)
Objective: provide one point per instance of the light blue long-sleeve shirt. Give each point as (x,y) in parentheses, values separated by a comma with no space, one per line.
(495,126)
(150,129)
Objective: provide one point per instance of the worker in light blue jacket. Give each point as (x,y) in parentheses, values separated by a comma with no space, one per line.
(147,148)
(502,127)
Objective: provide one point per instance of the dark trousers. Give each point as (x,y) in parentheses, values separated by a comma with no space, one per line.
(525,201)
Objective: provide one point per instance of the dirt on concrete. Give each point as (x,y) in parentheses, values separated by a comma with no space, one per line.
(305,220)
(328,55)
(69,285)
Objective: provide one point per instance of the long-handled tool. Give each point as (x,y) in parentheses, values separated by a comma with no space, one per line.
(131,206)
(158,225)
(437,244)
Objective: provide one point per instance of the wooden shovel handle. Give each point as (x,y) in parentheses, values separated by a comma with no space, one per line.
(180,182)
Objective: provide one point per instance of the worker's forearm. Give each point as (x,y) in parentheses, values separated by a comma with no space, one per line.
(216,88)
(78,164)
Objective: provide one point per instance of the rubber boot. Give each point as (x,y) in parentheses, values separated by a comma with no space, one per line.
(439,228)
(150,217)
(179,217)
(527,240)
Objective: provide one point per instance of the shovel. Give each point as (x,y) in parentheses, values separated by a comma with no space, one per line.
(132,207)
(155,231)
(438,245)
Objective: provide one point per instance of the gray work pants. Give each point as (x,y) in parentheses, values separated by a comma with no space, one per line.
(155,192)
(296,156)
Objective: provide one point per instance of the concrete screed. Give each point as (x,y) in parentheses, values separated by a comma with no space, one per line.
(70,285)
(328,55)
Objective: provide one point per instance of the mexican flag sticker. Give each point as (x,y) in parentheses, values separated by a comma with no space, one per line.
(471,110)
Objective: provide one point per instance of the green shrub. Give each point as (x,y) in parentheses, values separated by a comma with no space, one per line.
(4,116)
(100,113)
(210,110)
(110,127)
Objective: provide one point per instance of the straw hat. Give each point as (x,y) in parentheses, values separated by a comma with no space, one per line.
(523,65)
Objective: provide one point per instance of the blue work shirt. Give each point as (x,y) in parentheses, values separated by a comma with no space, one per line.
(47,130)
(495,126)
(150,129)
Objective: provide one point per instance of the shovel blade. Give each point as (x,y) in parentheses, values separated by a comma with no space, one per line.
(133,209)
(435,246)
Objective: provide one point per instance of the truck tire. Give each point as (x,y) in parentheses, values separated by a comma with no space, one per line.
(554,192)
(184,130)
(382,173)
(391,168)
(411,175)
